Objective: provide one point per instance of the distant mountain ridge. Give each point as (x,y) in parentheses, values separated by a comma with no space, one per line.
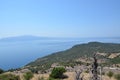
(25,38)
(30,37)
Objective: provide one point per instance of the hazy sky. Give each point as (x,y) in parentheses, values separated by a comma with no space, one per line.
(60,18)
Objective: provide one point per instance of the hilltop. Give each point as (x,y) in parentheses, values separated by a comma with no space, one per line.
(78,52)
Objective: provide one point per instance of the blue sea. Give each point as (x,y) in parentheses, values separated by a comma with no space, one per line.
(15,54)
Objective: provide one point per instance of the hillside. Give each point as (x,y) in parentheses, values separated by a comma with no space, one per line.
(76,52)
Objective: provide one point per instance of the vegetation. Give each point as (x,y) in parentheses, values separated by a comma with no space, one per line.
(103,73)
(82,50)
(41,78)
(117,76)
(68,58)
(115,60)
(28,75)
(9,77)
(87,71)
(57,72)
(110,74)
(1,71)
(12,69)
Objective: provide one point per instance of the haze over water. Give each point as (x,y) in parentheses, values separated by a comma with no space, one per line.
(15,54)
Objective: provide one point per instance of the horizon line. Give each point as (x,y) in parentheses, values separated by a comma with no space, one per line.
(56,37)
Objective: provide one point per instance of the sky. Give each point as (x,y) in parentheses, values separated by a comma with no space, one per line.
(60,18)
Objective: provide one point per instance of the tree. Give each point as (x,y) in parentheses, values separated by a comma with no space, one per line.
(1,71)
(110,74)
(28,75)
(94,68)
(117,76)
(77,77)
(57,72)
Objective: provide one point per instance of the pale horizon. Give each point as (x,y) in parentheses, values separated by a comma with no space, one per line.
(61,18)
(15,36)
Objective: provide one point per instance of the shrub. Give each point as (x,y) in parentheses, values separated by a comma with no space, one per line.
(87,71)
(57,72)
(103,73)
(1,71)
(52,79)
(110,74)
(28,75)
(11,70)
(117,76)
(41,78)
(9,77)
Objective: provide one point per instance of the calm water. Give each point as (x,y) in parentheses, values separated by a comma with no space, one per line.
(19,53)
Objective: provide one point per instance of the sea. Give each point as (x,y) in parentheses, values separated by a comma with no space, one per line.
(16,54)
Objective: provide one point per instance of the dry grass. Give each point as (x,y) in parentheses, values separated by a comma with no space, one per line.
(37,76)
(71,76)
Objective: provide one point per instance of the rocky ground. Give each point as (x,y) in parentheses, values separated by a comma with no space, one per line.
(71,76)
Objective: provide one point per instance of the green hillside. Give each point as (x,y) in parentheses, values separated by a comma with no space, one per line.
(77,51)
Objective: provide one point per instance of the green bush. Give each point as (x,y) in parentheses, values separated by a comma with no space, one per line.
(57,72)
(117,76)
(9,77)
(52,79)
(1,71)
(28,75)
(110,74)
